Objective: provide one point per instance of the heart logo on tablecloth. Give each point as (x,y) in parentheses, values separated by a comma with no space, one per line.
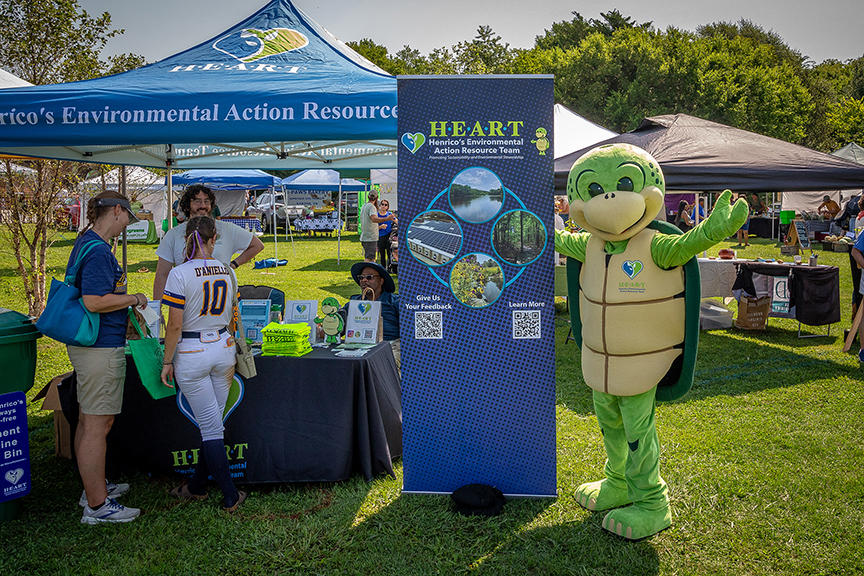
(301,308)
(632,268)
(13,476)
(413,142)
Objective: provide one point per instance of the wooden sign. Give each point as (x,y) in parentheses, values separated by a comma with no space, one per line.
(798,234)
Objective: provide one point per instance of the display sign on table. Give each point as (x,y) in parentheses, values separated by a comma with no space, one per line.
(14,448)
(361,326)
(255,315)
(302,311)
(477,315)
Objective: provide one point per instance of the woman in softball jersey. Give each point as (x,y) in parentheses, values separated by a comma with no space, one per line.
(200,355)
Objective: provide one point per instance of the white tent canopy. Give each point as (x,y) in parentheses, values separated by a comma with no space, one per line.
(573,132)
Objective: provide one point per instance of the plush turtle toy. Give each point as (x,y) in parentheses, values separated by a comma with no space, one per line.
(332,322)
(638,294)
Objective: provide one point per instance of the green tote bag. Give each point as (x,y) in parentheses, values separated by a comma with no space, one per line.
(148,354)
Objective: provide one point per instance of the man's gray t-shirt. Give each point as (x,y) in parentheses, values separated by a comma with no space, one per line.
(369,229)
(231,239)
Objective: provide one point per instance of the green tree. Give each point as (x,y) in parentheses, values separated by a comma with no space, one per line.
(43,42)
(485,54)
(846,118)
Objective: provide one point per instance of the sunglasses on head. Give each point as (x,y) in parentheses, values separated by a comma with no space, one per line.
(367,277)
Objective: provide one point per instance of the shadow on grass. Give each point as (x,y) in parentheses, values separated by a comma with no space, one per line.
(331,265)
(729,363)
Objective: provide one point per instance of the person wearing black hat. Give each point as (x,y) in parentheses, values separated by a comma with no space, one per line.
(376,284)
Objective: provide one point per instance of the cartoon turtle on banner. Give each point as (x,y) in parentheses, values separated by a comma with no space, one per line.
(636,320)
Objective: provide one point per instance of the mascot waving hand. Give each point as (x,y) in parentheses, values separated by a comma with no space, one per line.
(639,312)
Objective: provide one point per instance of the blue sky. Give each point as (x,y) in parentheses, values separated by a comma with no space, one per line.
(158,28)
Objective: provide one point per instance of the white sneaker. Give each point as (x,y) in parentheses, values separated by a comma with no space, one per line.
(114,490)
(111,511)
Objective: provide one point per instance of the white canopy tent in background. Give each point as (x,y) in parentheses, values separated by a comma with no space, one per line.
(141,184)
(810,201)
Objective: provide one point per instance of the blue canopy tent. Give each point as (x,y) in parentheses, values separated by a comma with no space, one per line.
(276,91)
(323,180)
(234,180)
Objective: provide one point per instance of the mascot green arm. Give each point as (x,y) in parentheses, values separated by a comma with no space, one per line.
(670,250)
(570,244)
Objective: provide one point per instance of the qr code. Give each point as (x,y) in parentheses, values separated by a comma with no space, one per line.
(428,325)
(526,324)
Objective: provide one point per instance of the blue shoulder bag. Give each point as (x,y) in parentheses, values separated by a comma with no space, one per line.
(65,317)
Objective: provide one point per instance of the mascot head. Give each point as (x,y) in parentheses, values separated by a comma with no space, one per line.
(615,191)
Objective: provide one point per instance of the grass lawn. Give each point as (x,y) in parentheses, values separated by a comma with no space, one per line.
(762,458)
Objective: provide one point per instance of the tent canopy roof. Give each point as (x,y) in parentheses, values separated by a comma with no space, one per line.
(227,179)
(698,155)
(321,180)
(573,132)
(274,91)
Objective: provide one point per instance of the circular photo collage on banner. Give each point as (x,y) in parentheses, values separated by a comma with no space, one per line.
(434,238)
(477,280)
(476,195)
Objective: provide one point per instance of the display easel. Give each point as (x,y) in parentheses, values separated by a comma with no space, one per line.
(798,235)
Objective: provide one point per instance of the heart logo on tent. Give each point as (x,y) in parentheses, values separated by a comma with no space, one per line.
(632,268)
(13,476)
(364,308)
(301,308)
(413,142)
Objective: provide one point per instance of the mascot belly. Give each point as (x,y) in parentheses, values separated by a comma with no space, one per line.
(633,311)
(639,309)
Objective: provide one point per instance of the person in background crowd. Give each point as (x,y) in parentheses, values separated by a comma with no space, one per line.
(682,218)
(198,200)
(858,256)
(829,208)
(757,207)
(702,212)
(744,231)
(200,354)
(369,221)
(100,369)
(385,229)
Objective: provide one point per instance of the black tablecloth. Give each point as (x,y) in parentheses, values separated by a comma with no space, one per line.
(761,227)
(815,290)
(314,418)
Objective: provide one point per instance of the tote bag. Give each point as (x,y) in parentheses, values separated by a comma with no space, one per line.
(65,318)
(245,360)
(148,355)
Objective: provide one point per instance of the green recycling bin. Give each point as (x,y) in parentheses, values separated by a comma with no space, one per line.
(18,337)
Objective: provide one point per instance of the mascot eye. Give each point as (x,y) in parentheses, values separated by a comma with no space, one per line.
(625,184)
(595,189)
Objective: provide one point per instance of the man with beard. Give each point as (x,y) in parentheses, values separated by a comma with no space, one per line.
(198,200)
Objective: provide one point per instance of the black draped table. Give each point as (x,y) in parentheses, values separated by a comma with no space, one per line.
(764,227)
(814,291)
(318,417)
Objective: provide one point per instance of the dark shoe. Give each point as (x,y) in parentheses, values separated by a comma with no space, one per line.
(240,500)
(182,492)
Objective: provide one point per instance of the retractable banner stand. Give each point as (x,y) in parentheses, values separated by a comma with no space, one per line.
(476,220)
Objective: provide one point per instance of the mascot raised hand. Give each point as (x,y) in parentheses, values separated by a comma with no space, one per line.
(638,308)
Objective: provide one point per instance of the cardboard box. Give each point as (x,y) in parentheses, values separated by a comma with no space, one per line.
(62,430)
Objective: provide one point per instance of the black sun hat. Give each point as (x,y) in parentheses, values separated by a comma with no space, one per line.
(357,269)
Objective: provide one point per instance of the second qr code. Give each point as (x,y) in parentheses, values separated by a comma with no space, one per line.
(526,324)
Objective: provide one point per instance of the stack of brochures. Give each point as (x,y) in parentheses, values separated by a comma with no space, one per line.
(285,339)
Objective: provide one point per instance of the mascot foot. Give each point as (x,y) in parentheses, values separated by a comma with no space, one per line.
(601,495)
(634,523)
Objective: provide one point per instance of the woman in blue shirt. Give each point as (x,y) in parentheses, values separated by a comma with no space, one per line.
(100,369)
(385,229)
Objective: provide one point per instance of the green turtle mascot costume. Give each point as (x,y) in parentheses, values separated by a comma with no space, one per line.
(638,307)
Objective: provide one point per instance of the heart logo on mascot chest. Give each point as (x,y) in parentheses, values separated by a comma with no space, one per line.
(632,268)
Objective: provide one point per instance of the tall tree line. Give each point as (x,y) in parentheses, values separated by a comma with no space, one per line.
(615,71)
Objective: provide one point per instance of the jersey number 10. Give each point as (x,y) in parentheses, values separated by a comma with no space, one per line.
(214,299)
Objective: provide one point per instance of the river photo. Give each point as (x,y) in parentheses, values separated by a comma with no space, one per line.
(476,195)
